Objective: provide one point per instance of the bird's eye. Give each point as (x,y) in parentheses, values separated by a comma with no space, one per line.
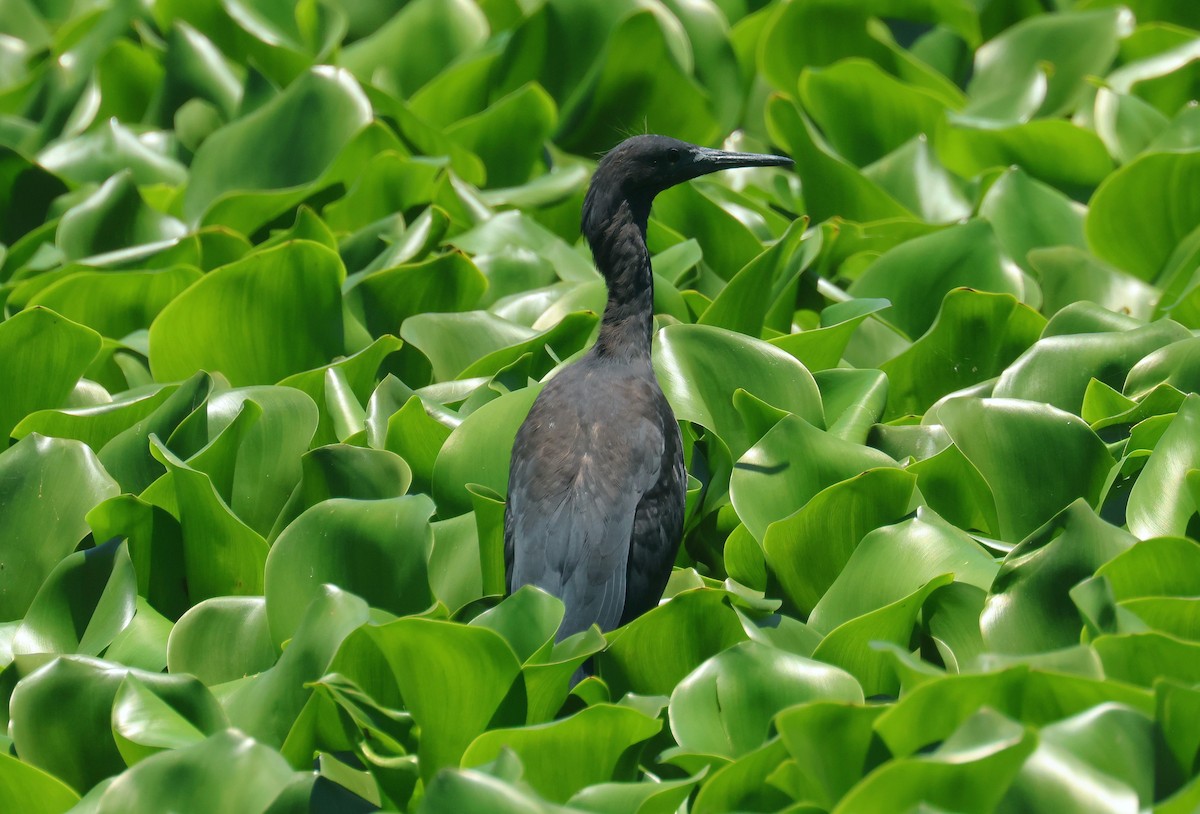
(673,155)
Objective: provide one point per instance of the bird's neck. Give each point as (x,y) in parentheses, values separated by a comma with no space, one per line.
(619,248)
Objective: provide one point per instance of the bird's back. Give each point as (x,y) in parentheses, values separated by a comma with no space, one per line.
(595,497)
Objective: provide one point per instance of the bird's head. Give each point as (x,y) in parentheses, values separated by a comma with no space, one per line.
(640,167)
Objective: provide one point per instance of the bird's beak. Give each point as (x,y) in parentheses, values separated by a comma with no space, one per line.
(706,160)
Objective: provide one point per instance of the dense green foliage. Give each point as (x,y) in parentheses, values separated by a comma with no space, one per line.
(280,280)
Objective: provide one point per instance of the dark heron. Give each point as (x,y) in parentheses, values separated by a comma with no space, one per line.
(596,486)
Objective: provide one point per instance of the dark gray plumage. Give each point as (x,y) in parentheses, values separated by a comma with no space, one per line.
(596,485)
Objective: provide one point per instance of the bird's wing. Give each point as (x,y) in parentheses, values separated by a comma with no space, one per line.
(570,516)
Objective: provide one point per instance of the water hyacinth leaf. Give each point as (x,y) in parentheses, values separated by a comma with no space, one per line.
(116,303)
(699,368)
(565,756)
(95,425)
(1051,150)
(771,481)
(1029,609)
(27,788)
(408,50)
(897,111)
(241,319)
(743,783)
(256,153)
(833,186)
(726,705)
(1058,369)
(478,451)
(222,555)
(914,176)
(87,229)
(528,620)
(344,471)
(1161,502)
(619,93)
(822,348)
(916,275)
(84,603)
(32,471)
(258,435)
(1036,459)
(1032,69)
(1067,274)
(1176,365)
(143,642)
(47,354)
(222,639)
(728,244)
(127,455)
(872,577)
(1137,231)
(643,798)
(266,705)
(831,742)
(1160,566)
(431,658)
(454,790)
(808,549)
(1027,214)
(847,645)
(169,713)
(968,772)
(227,771)
(452,342)
(692,627)
(386,298)
(60,718)
(526,117)
(975,337)
(375,549)
(741,305)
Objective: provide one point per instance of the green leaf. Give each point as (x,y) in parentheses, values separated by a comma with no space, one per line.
(47,486)
(410,48)
(1141,212)
(46,354)
(725,706)
(885,111)
(526,117)
(222,555)
(386,298)
(968,772)
(375,549)
(222,639)
(115,303)
(1028,214)
(768,484)
(433,660)
(872,577)
(833,187)
(84,603)
(266,705)
(1058,369)
(226,772)
(563,757)
(258,153)
(1067,274)
(1161,503)
(1038,66)
(242,318)
(1036,459)
(26,788)
(116,219)
(170,713)
(975,337)
(917,275)
(808,549)
(683,633)
(847,645)
(829,741)
(60,719)
(1029,609)
(700,367)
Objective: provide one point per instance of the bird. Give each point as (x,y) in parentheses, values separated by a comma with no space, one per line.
(596,488)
